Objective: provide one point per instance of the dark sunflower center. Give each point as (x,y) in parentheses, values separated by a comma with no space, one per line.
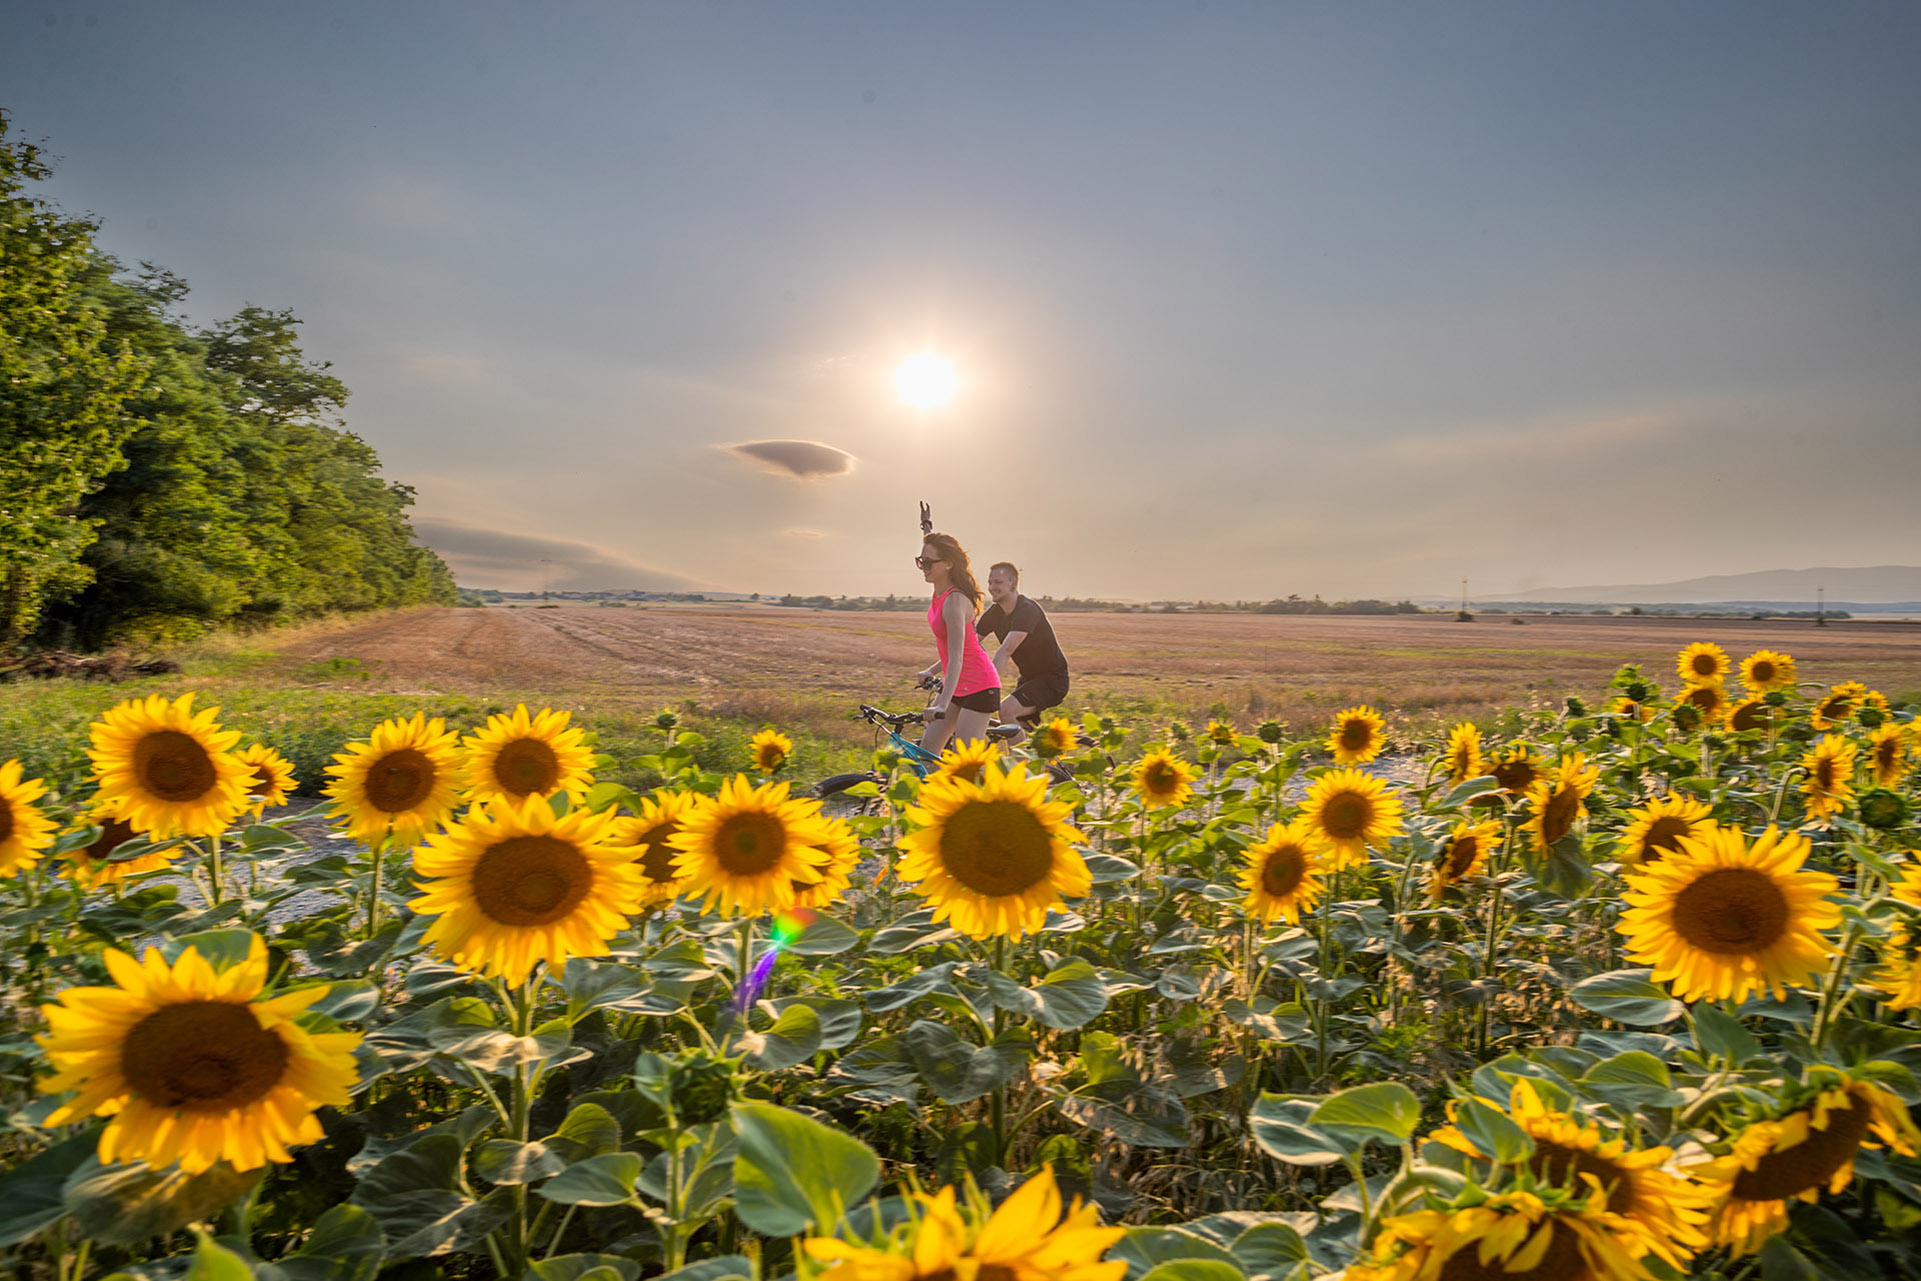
(1161,778)
(996,848)
(1835,709)
(1557,818)
(1515,776)
(527,767)
(1346,815)
(1750,716)
(1810,1163)
(1356,735)
(1763,672)
(969,770)
(203,1056)
(174,766)
(1824,773)
(1704,697)
(262,781)
(771,755)
(1664,834)
(1561,1261)
(1563,1166)
(6,819)
(1704,665)
(1887,753)
(1284,871)
(751,843)
(113,834)
(1734,910)
(1461,853)
(657,856)
(531,880)
(400,780)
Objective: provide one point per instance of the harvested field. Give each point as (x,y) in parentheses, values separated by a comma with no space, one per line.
(808,665)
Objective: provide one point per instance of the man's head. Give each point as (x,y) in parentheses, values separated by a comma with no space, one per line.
(1003,580)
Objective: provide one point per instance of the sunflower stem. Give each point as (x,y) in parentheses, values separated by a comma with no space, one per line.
(1833,1000)
(215,871)
(375,856)
(997,1103)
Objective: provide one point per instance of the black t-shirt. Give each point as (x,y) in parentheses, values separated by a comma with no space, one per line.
(1038,655)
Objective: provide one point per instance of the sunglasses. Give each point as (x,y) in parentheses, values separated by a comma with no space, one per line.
(922,562)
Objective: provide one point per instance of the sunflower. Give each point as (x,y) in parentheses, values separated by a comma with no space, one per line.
(1163,778)
(647,838)
(1283,873)
(1766,670)
(1056,738)
(746,849)
(771,748)
(944,1239)
(1703,663)
(402,780)
(1830,782)
(191,1065)
(1523,1234)
(1888,755)
(1463,753)
(843,851)
(1356,737)
(25,832)
(1711,699)
(1462,855)
(1351,811)
(272,781)
(1721,918)
(1838,705)
(1571,1152)
(992,856)
(168,770)
(1516,769)
(1794,1156)
(91,866)
(1559,800)
(511,885)
(1907,888)
(1900,972)
(1625,706)
(1656,829)
(1221,733)
(1750,713)
(965,759)
(516,756)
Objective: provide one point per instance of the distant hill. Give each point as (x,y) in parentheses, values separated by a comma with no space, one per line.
(1879,584)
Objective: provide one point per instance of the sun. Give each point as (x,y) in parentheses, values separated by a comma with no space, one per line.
(926,381)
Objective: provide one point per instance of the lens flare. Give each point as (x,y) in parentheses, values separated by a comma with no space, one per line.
(788,926)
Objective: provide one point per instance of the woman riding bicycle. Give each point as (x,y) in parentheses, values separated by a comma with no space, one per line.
(970,687)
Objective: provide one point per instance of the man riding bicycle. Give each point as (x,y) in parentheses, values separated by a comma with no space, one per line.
(1027,637)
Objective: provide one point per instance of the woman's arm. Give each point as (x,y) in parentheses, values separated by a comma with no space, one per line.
(955,613)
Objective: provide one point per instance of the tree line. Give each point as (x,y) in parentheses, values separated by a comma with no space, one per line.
(157,479)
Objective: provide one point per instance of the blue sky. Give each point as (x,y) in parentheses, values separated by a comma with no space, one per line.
(1245,299)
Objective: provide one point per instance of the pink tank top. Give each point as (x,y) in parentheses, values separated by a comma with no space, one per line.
(977,669)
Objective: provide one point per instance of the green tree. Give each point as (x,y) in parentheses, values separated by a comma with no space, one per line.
(63,379)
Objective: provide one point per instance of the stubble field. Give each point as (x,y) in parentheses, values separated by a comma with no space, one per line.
(807,668)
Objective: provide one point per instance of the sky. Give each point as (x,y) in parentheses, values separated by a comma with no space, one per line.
(1242,300)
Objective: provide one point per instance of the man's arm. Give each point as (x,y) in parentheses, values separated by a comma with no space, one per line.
(1008,646)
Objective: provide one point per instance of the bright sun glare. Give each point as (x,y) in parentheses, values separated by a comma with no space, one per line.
(925,381)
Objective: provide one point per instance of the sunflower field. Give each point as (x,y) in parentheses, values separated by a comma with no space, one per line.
(1627,994)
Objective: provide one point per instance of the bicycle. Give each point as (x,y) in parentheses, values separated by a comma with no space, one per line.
(912,754)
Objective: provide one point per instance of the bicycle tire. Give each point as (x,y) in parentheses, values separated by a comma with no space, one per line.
(841,782)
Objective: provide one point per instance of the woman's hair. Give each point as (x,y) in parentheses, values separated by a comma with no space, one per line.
(956,558)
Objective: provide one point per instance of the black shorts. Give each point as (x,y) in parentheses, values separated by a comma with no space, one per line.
(1041,693)
(981,700)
